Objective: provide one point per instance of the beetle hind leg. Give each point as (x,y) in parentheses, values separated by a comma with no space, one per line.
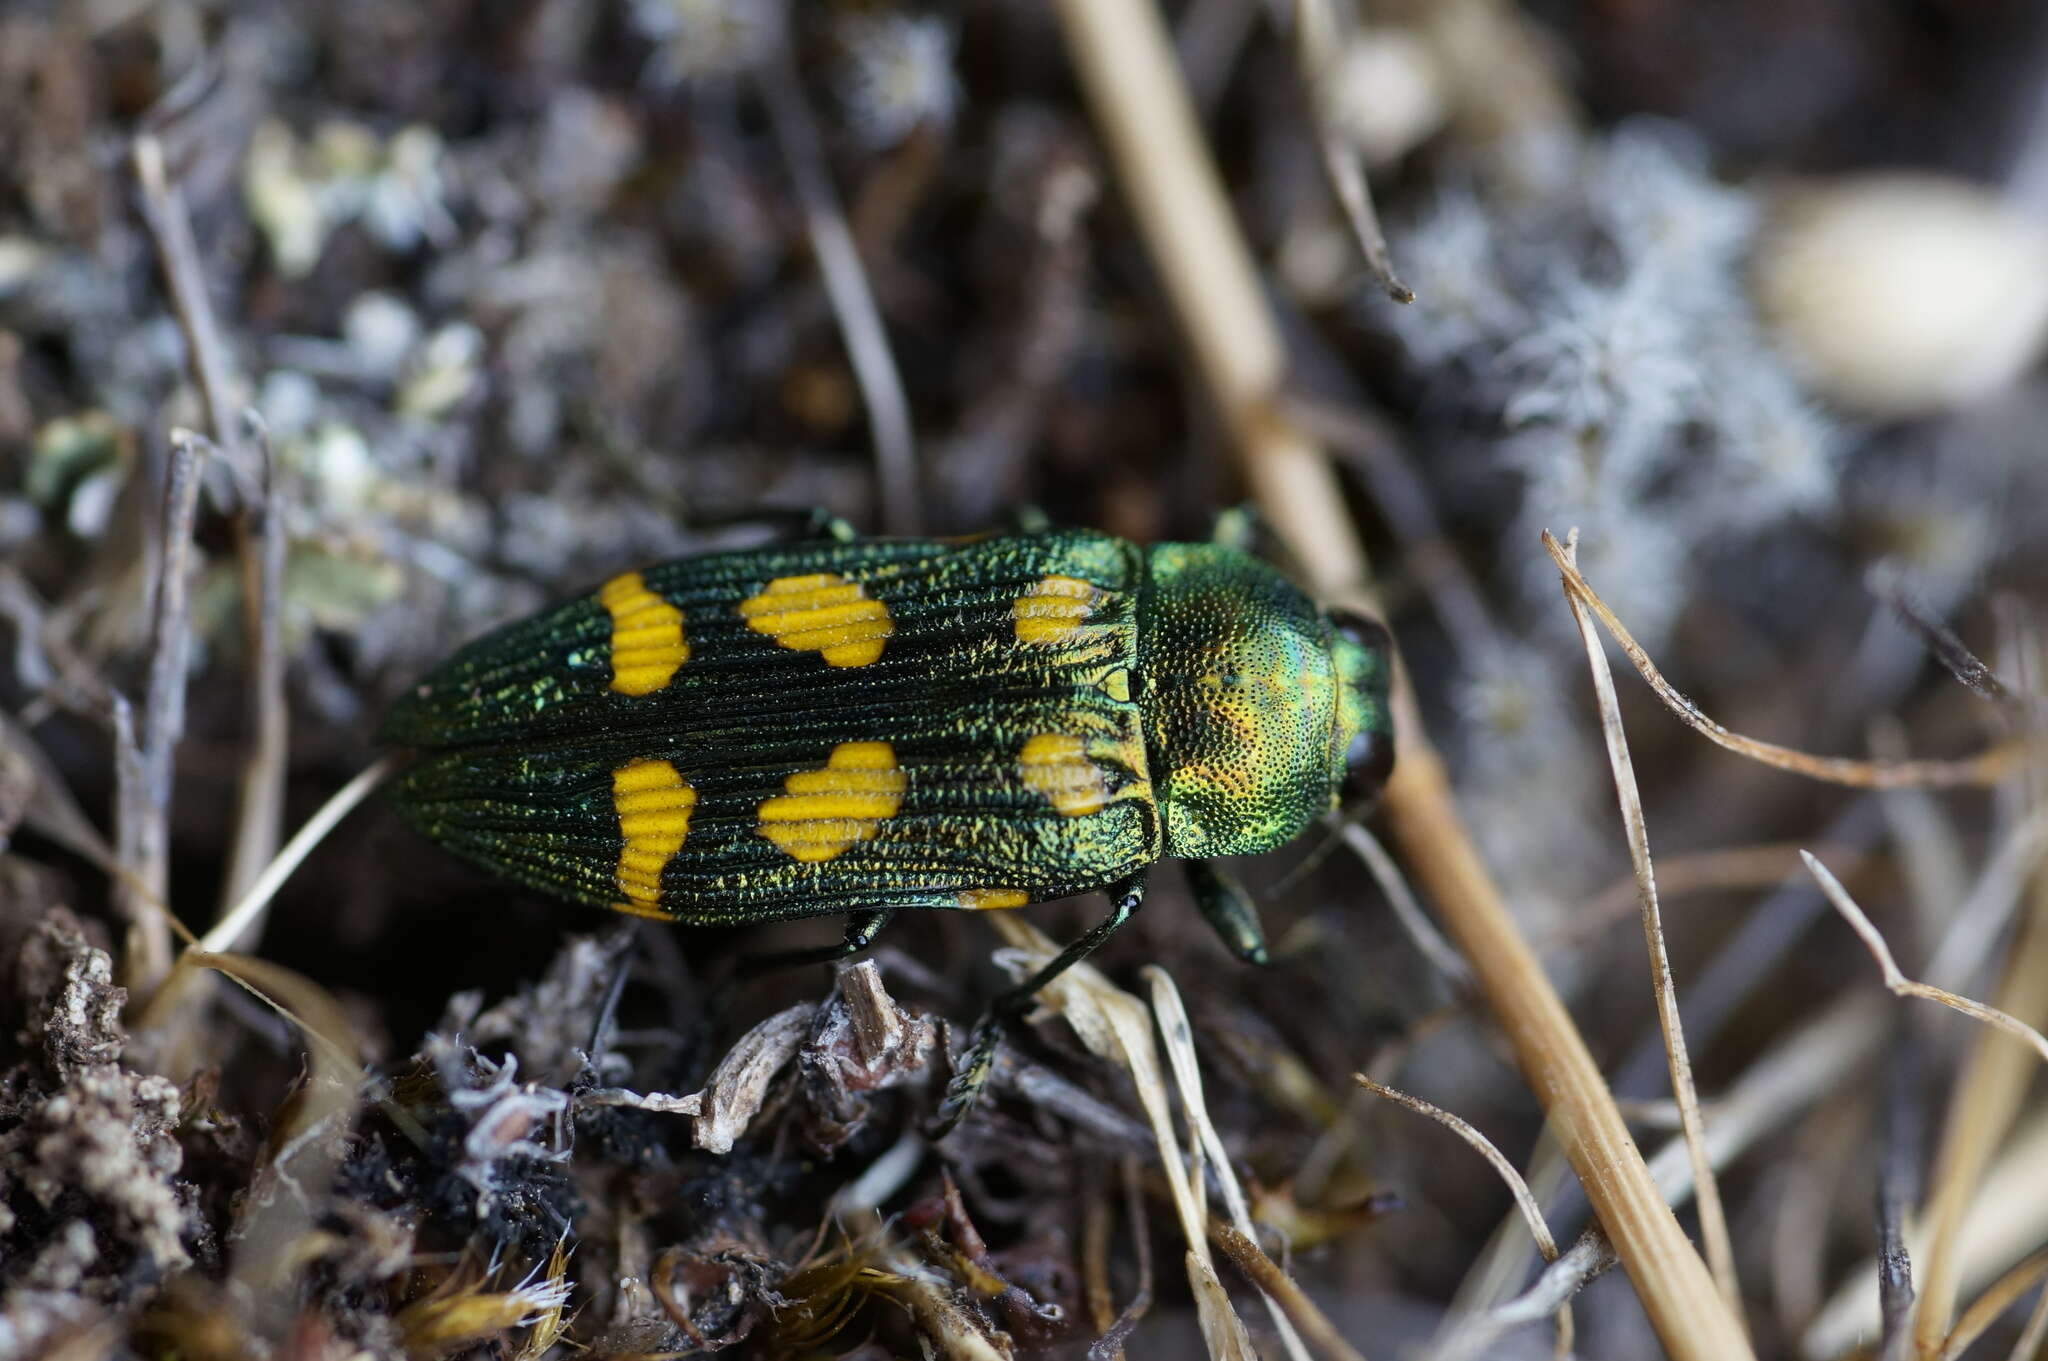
(987,1036)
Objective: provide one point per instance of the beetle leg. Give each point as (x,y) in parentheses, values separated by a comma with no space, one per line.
(1225,905)
(987,1036)
(861,930)
(1241,526)
(794,522)
(823,524)
(1028,520)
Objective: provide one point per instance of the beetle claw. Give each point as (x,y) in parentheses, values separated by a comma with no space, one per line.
(971,1075)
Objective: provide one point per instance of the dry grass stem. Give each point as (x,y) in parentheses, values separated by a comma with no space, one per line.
(1407,911)
(259,814)
(1179,1037)
(1996,1298)
(1125,62)
(1996,1075)
(1887,583)
(1525,1200)
(1110,1345)
(1689,872)
(852,297)
(234,922)
(1896,980)
(2006,1219)
(1681,1295)
(259,526)
(2028,1346)
(1713,1221)
(1979,920)
(1800,1072)
(1369,445)
(1984,769)
(146,845)
(1316,42)
(1266,1274)
(1114,1025)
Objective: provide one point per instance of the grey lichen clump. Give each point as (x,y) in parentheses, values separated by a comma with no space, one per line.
(1596,327)
(92,1209)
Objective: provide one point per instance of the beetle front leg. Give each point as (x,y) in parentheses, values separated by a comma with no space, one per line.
(1225,905)
(987,1036)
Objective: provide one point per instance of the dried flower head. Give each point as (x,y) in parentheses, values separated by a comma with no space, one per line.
(896,74)
(709,39)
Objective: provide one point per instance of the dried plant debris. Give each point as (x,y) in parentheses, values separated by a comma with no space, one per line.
(93,1211)
(524,296)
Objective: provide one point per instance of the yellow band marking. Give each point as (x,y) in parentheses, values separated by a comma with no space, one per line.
(822,613)
(828,812)
(1054,610)
(653,802)
(992,899)
(647,636)
(1057,766)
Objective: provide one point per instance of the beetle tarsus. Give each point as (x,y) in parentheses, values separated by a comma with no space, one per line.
(972,1075)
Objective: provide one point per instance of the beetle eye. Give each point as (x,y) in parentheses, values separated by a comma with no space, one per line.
(1370,759)
(1367,765)
(1364,630)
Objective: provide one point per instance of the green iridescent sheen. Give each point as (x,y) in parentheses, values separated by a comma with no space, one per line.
(1216,702)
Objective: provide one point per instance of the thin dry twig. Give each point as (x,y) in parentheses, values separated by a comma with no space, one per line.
(1889,584)
(1266,1274)
(259,526)
(2031,1338)
(1896,980)
(1368,444)
(1713,1221)
(1316,40)
(846,285)
(1125,63)
(259,811)
(163,722)
(1110,1346)
(1407,911)
(1998,1297)
(1986,768)
(236,919)
(1996,1075)
(1898,1166)
(1525,1200)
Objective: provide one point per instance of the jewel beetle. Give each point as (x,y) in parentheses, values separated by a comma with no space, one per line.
(837,725)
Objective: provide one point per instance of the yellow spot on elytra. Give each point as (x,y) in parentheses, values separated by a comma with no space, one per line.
(1054,610)
(1057,766)
(992,899)
(822,613)
(828,812)
(653,802)
(647,636)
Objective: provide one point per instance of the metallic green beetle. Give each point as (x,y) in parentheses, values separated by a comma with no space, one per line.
(862,726)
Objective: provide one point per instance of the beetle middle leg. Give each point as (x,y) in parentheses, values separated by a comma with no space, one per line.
(1125,899)
(861,930)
